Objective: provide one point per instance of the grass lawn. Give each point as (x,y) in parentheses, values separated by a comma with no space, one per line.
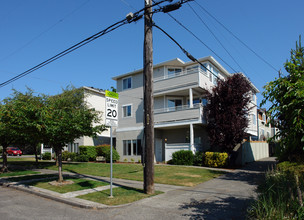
(79,184)
(122,195)
(173,175)
(18,173)
(33,177)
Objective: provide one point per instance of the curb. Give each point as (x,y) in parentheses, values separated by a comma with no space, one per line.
(80,203)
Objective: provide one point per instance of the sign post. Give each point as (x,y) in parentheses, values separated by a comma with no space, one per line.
(111,120)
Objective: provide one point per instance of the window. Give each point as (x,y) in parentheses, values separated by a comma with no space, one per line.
(127,83)
(253,119)
(126,111)
(174,104)
(264,117)
(253,97)
(192,69)
(132,147)
(174,72)
(215,76)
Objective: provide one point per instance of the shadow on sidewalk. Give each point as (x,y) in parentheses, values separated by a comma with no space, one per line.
(221,208)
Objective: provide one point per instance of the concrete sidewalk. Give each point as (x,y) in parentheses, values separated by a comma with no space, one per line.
(226,197)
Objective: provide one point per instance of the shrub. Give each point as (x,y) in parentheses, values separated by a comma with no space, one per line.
(198,159)
(1,150)
(182,157)
(82,158)
(105,151)
(46,156)
(68,155)
(215,159)
(279,197)
(89,151)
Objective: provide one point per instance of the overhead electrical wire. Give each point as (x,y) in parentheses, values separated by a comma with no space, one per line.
(242,42)
(136,16)
(216,38)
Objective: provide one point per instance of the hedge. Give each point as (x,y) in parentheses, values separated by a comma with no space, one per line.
(89,151)
(46,156)
(182,157)
(215,159)
(105,151)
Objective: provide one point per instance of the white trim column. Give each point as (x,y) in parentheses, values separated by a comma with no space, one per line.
(190,98)
(192,138)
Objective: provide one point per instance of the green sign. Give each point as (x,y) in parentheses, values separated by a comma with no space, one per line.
(110,94)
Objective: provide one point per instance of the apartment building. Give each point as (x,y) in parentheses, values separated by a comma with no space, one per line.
(264,127)
(179,99)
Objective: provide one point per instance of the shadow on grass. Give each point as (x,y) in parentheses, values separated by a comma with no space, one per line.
(219,208)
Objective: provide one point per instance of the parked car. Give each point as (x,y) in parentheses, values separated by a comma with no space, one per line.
(14,151)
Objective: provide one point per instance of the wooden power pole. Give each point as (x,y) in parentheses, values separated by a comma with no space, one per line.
(148,102)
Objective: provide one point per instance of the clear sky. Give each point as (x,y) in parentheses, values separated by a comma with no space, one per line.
(34,30)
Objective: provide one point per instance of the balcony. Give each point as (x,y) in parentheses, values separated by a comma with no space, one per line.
(194,77)
(178,115)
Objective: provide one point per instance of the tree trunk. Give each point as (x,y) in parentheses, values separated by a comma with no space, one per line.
(4,168)
(56,157)
(59,160)
(36,156)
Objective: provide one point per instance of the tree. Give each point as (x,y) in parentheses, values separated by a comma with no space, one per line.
(286,95)
(227,112)
(26,119)
(7,133)
(66,118)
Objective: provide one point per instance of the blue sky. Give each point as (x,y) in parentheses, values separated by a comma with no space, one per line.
(34,30)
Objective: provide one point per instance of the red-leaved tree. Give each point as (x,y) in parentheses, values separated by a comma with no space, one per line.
(227,112)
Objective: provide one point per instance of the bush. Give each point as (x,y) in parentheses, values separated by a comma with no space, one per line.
(105,151)
(215,159)
(46,156)
(182,157)
(279,196)
(1,150)
(68,155)
(198,159)
(89,151)
(82,158)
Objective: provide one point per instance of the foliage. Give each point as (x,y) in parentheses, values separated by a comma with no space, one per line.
(227,112)
(82,158)
(68,155)
(198,159)
(182,157)
(105,151)
(286,94)
(89,151)
(46,156)
(279,197)
(215,159)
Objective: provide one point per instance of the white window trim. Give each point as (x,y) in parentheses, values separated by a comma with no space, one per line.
(123,84)
(122,107)
(172,67)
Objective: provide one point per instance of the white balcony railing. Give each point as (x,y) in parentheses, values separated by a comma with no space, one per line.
(177,108)
(184,72)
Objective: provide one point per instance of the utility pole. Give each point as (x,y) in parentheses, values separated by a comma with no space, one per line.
(148,102)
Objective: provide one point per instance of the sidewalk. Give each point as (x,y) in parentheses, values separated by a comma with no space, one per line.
(226,197)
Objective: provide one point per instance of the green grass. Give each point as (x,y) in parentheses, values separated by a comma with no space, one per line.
(33,177)
(173,175)
(18,173)
(79,184)
(122,195)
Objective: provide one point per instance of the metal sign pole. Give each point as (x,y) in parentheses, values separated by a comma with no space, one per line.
(111,161)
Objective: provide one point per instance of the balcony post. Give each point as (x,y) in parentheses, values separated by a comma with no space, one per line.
(190,98)
(191,138)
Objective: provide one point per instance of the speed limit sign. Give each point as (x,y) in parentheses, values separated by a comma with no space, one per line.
(111,108)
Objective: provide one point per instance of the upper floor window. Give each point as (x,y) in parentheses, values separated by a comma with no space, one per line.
(253,119)
(174,72)
(126,111)
(253,97)
(127,83)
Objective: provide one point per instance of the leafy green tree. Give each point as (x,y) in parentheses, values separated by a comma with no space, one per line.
(66,118)
(7,133)
(27,119)
(227,112)
(286,95)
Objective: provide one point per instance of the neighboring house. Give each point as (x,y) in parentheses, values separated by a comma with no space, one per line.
(264,127)
(179,99)
(95,98)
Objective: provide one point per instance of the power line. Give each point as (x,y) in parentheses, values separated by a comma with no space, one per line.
(216,38)
(185,51)
(255,53)
(45,31)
